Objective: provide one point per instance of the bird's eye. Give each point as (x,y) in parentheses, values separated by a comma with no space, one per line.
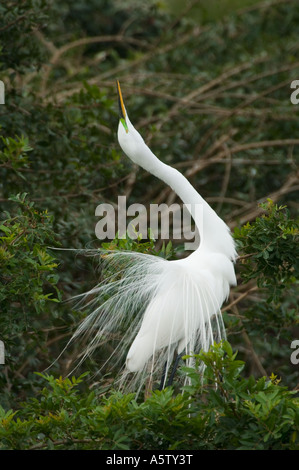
(123,121)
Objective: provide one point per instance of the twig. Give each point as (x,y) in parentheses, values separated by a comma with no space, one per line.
(17,20)
(127,66)
(239,298)
(199,165)
(57,53)
(225,182)
(236,110)
(246,338)
(253,211)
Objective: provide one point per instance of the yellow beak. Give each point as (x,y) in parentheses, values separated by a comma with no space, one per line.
(122,111)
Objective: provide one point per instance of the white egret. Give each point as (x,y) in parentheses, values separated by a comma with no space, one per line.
(164,307)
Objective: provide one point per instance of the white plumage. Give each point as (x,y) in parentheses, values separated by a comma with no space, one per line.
(163,306)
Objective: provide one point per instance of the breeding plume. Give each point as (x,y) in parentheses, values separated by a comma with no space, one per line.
(161,308)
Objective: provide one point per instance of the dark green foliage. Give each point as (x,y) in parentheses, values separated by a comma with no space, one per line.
(269,262)
(140,245)
(226,411)
(28,287)
(20,48)
(23,239)
(270,250)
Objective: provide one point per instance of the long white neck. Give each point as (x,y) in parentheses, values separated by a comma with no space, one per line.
(214,233)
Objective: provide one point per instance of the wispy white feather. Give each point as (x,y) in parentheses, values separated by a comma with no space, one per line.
(155,307)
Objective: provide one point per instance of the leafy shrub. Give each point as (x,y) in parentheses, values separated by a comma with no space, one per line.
(270,250)
(28,287)
(225,411)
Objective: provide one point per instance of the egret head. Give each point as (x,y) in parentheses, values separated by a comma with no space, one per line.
(128,137)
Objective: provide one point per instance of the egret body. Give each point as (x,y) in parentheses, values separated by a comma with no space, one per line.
(164,306)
